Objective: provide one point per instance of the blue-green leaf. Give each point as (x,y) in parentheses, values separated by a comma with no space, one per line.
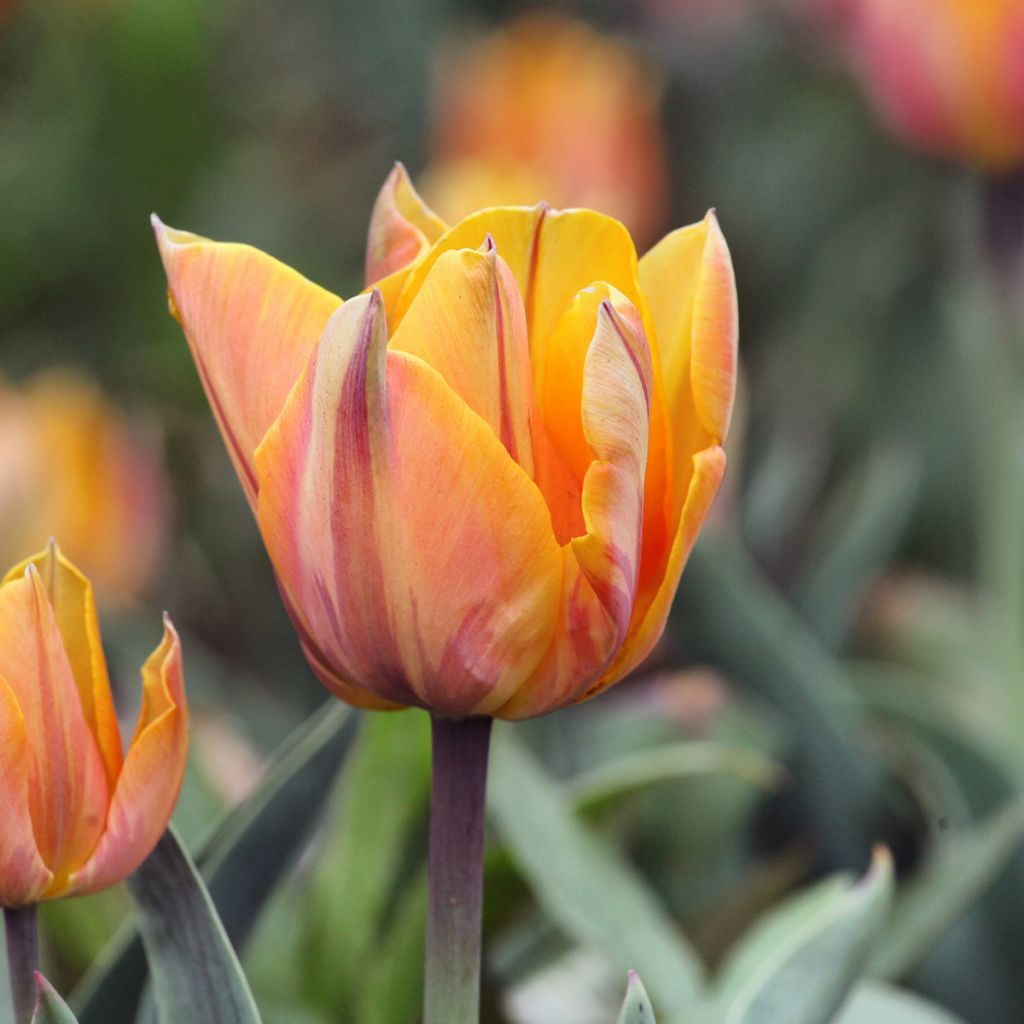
(636,1008)
(50,1008)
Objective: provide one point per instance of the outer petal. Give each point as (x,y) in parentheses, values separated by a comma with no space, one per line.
(150,781)
(67,784)
(402,227)
(602,567)
(418,555)
(23,874)
(251,323)
(74,609)
(468,323)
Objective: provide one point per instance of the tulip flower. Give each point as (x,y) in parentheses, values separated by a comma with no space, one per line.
(479,480)
(71,467)
(947,75)
(547,107)
(77,815)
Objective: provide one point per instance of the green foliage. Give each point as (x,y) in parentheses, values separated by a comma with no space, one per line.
(636,1007)
(50,1008)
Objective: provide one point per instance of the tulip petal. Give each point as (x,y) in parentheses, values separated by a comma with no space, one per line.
(418,554)
(468,323)
(74,608)
(67,784)
(402,227)
(251,323)
(24,875)
(150,781)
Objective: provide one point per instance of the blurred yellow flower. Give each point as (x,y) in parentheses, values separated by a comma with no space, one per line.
(70,467)
(548,109)
(77,815)
(479,480)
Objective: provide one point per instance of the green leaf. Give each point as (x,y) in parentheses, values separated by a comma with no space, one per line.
(50,1008)
(880,1004)
(593,895)
(195,973)
(245,857)
(799,964)
(636,1008)
(945,889)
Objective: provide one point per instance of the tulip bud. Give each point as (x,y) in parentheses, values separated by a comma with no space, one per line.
(77,815)
(478,481)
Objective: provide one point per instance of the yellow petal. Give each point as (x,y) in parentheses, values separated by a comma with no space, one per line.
(417,553)
(251,323)
(74,608)
(148,786)
(23,874)
(67,783)
(402,227)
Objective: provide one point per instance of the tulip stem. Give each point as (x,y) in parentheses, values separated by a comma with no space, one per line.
(22,959)
(452,981)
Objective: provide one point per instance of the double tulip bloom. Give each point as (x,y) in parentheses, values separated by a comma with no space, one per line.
(478,481)
(947,75)
(77,815)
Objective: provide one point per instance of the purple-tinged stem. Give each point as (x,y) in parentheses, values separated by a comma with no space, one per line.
(22,959)
(452,977)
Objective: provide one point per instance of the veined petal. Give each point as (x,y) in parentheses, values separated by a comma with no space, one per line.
(150,781)
(251,323)
(417,553)
(402,227)
(67,783)
(468,323)
(74,609)
(24,875)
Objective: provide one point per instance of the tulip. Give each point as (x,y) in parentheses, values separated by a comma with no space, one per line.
(477,481)
(72,468)
(77,815)
(946,75)
(547,107)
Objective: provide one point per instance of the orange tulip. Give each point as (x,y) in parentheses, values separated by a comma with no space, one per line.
(947,75)
(547,108)
(479,480)
(70,468)
(76,815)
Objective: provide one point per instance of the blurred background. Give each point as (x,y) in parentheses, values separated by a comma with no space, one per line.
(845,661)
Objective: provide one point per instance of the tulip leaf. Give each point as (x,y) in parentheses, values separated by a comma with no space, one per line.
(872,1003)
(798,965)
(246,855)
(636,1008)
(50,1007)
(195,973)
(944,889)
(593,895)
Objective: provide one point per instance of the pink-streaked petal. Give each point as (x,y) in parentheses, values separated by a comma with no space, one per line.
(67,784)
(24,875)
(417,554)
(402,227)
(149,783)
(251,323)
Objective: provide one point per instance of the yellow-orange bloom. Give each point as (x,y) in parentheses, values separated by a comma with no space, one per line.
(77,815)
(479,480)
(70,468)
(947,75)
(548,108)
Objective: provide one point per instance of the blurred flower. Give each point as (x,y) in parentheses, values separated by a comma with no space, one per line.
(478,482)
(546,108)
(76,815)
(70,468)
(947,75)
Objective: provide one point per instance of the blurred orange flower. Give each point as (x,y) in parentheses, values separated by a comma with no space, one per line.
(546,108)
(479,480)
(947,75)
(77,815)
(71,468)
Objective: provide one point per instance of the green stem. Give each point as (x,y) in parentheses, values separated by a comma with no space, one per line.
(452,981)
(22,959)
